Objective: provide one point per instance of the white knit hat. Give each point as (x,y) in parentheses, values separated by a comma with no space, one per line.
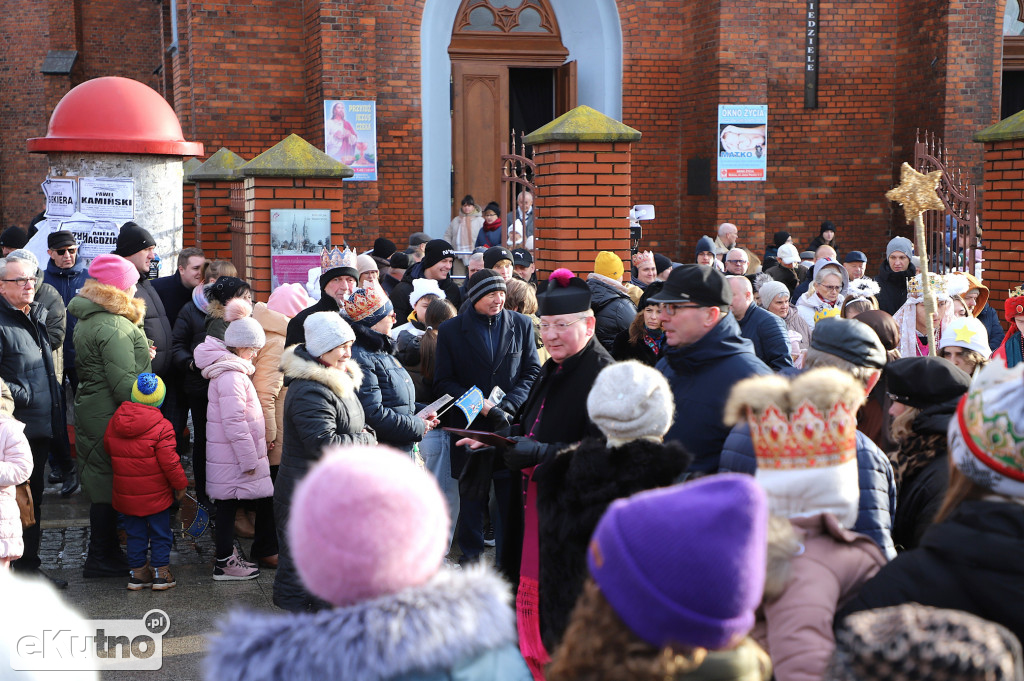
(326,331)
(966,332)
(243,331)
(631,401)
(424,287)
(770,290)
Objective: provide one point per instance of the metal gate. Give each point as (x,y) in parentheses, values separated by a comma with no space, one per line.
(953,235)
(517,174)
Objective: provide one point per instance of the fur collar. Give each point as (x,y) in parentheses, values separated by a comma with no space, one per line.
(214,309)
(114,300)
(455,617)
(297,363)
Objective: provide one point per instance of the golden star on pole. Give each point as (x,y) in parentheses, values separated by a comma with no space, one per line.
(916,192)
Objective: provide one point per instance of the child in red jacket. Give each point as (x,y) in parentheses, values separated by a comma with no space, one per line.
(147,478)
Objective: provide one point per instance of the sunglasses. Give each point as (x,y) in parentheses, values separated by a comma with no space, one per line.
(64,251)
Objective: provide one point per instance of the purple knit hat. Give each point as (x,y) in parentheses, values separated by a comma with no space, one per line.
(685,565)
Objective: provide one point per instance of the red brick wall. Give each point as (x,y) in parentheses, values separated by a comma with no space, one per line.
(1004,213)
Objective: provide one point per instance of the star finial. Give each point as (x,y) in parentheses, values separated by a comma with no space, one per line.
(965,335)
(916,192)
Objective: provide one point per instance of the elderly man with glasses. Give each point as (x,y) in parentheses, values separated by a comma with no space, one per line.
(705,357)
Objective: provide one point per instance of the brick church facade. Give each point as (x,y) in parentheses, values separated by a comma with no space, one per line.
(446,73)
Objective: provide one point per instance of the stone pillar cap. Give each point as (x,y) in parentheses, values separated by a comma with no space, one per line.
(583,124)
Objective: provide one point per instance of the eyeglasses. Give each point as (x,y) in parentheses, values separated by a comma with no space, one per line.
(22,281)
(670,309)
(831,289)
(738,262)
(64,251)
(558,327)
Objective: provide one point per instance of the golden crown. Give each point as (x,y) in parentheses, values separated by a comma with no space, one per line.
(806,439)
(915,285)
(1017,292)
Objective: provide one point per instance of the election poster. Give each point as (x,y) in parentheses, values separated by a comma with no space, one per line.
(297,237)
(350,136)
(61,196)
(111,198)
(742,142)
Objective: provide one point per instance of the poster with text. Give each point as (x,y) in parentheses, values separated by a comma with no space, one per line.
(742,142)
(350,135)
(297,238)
(112,198)
(61,196)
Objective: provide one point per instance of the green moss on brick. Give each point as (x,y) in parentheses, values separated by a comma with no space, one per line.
(189,167)
(1011,128)
(294,157)
(220,167)
(583,124)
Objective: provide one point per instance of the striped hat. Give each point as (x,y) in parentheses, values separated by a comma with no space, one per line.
(483,282)
(149,389)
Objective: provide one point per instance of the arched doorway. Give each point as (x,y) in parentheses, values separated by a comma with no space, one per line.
(589,31)
(509,73)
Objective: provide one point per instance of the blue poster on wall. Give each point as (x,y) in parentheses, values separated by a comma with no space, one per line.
(742,142)
(350,135)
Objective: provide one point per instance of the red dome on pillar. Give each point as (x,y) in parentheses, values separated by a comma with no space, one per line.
(116,116)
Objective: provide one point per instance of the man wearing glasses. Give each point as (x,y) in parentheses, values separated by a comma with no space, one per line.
(705,357)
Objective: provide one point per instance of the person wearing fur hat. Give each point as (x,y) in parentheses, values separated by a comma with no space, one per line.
(427,622)
(111,351)
(972,557)
(804,435)
(654,609)
(964,342)
(894,274)
(631,403)
(644,340)
(148,478)
(860,297)
(610,300)
(976,298)
(774,297)
(336,284)
(788,269)
(437,265)
(237,467)
(1011,350)
(924,393)
(321,409)
(824,296)
(387,393)
(488,347)
(219,294)
(286,301)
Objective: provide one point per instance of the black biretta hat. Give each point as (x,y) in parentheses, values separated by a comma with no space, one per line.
(565,294)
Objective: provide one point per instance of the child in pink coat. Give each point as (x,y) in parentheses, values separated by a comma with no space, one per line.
(15,468)
(236,448)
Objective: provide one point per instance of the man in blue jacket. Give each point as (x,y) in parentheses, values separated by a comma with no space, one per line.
(765,330)
(485,346)
(706,356)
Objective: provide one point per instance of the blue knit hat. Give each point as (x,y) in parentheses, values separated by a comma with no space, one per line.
(705,244)
(149,389)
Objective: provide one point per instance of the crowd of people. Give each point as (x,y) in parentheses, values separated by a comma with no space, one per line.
(744,467)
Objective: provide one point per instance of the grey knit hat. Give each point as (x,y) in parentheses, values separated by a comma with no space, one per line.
(326,331)
(631,401)
(245,333)
(770,290)
(483,282)
(901,244)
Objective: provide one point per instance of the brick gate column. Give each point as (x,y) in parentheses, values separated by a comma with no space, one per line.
(583,190)
(213,180)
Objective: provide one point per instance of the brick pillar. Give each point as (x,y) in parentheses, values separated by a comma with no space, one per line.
(189,233)
(1003,208)
(213,180)
(291,174)
(583,190)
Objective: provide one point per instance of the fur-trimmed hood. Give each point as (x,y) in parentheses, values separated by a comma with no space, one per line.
(455,617)
(296,362)
(214,308)
(111,299)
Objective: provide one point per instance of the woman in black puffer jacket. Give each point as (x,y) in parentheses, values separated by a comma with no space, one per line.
(320,409)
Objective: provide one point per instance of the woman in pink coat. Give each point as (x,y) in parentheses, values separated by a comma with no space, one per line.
(236,447)
(15,468)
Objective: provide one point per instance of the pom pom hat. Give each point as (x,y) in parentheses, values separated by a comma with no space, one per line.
(387,532)
(113,270)
(243,331)
(685,564)
(149,389)
(566,294)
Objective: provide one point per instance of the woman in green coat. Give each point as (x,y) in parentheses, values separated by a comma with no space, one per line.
(112,350)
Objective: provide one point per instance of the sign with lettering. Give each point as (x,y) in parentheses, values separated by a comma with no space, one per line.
(350,135)
(742,142)
(61,196)
(811,55)
(112,198)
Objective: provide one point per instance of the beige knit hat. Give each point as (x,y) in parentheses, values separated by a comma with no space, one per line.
(631,401)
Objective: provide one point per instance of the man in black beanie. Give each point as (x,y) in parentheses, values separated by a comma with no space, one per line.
(438,259)
(136,245)
(11,239)
(488,347)
(336,284)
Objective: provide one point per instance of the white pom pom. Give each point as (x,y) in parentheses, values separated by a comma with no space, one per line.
(237,308)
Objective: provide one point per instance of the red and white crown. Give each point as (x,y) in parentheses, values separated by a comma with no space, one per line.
(806,438)
(643,259)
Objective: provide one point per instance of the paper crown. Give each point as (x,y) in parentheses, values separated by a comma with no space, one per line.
(643,259)
(345,257)
(915,286)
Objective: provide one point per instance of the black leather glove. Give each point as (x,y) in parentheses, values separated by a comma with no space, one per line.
(497,419)
(524,453)
(475,480)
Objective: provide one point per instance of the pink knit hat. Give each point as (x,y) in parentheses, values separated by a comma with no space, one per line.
(289,300)
(113,270)
(387,532)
